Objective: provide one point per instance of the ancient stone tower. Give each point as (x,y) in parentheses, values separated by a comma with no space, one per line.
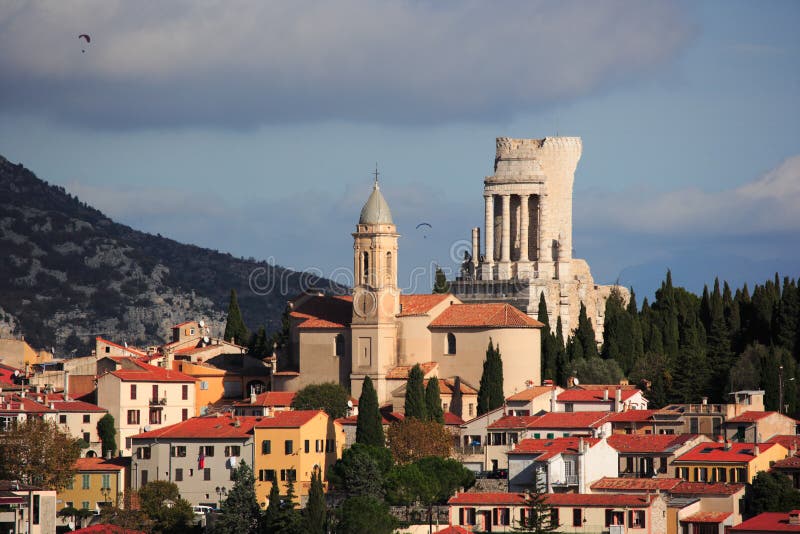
(528,235)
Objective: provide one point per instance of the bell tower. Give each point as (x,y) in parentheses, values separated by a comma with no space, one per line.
(376,297)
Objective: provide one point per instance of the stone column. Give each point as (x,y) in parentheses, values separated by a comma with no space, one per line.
(489,222)
(523,228)
(505,243)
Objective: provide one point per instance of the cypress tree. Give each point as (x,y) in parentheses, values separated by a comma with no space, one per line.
(273,511)
(584,334)
(562,360)
(369,425)
(415,394)
(234,327)
(316,511)
(490,392)
(786,314)
(719,356)
(240,511)
(548,349)
(456,401)
(433,401)
(441,285)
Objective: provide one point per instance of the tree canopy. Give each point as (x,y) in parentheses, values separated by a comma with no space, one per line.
(329,396)
(107,434)
(235,328)
(240,511)
(37,452)
(490,391)
(412,439)
(415,405)
(369,425)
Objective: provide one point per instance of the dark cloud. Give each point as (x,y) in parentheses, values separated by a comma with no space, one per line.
(242,64)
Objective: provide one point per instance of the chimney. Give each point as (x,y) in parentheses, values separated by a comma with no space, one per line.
(66,385)
(618,400)
(727,445)
(108,455)
(553,400)
(794,517)
(705,401)
(605,394)
(720,439)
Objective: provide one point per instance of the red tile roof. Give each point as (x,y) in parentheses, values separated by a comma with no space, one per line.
(570,420)
(97,464)
(446,387)
(594,395)
(270,398)
(767,522)
(786,440)
(150,373)
(636,484)
(196,349)
(401,371)
(12,404)
(387,418)
(453,529)
(488,498)
(288,419)
(792,462)
(549,448)
(648,443)
(610,500)
(452,419)
(76,406)
(750,417)
(714,452)
(513,422)
(208,427)
(531,393)
(632,416)
(421,304)
(707,517)
(183,324)
(493,315)
(704,488)
(324,311)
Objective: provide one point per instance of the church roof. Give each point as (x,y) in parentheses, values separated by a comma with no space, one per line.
(323,311)
(421,304)
(493,315)
(376,210)
(401,371)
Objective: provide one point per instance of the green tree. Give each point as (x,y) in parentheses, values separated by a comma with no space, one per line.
(362,470)
(490,390)
(456,400)
(538,515)
(597,371)
(270,518)
(364,514)
(37,452)
(447,475)
(289,520)
(433,401)
(235,328)
(260,347)
(440,284)
(412,439)
(584,334)
(329,396)
(652,373)
(107,434)
(415,394)
(162,503)
(369,425)
(316,512)
(240,511)
(562,358)
(772,492)
(548,349)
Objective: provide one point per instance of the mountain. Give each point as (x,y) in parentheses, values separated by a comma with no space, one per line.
(69,273)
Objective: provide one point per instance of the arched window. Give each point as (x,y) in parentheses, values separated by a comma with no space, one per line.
(389,266)
(338,345)
(365,267)
(451,343)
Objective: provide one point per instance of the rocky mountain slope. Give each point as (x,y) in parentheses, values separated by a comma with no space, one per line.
(69,273)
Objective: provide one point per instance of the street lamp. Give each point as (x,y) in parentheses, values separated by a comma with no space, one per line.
(780,388)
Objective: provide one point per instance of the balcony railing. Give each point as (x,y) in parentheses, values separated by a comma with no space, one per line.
(160,401)
(569,480)
(469,449)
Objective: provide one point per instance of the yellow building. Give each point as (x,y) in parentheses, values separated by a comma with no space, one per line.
(97,482)
(727,462)
(19,354)
(291,445)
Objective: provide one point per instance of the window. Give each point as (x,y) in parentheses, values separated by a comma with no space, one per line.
(87,418)
(144,477)
(206,450)
(87,437)
(203,385)
(178,451)
(466,516)
(69,504)
(338,345)
(636,518)
(451,343)
(232,450)
(155,416)
(108,351)
(71,483)
(330,445)
(62,419)
(266,475)
(550,435)
(577,517)
(389,266)
(266,447)
(184,414)
(106,482)
(143,453)
(36,508)
(500,516)
(307,446)
(85,484)
(471,410)
(364,267)
(207,473)
(693,425)
(178,475)
(288,447)
(614,517)
(155,392)
(85,504)
(554,517)
(184,392)
(288,474)
(569,407)
(133,417)
(319,445)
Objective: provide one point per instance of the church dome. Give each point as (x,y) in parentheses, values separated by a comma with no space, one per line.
(376,210)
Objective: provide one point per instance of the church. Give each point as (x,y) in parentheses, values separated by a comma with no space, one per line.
(379,332)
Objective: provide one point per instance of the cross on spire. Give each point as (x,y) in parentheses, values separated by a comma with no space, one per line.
(376,173)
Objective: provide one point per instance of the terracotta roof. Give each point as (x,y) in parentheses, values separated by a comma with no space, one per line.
(270,398)
(150,373)
(749,417)
(595,395)
(549,448)
(707,517)
(324,311)
(453,529)
(704,488)
(97,464)
(531,393)
(387,418)
(786,440)
(767,522)
(513,421)
(446,386)
(76,406)
(568,420)
(288,419)
(714,452)
(611,500)
(196,349)
(488,498)
(134,350)
(183,324)
(636,484)
(601,387)
(652,443)
(11,403)
(632,416)
(421,304)
(492,315)
(208,427)
(401,371)
(792,462)
(452,419)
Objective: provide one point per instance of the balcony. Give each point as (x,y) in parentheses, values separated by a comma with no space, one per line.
(162,401)
(469,449)
(569,480)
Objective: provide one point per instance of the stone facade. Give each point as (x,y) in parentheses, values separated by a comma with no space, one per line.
(527,248)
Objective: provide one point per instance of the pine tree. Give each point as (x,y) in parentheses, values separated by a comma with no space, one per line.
(433,401)
(456,401)
(240,511)
(786,317)
(273,511)
(369,426)
(441,285)
(538,515)
(718,347)
(490,392)
(415,394)
(235,328)
(316,510)
(289,520)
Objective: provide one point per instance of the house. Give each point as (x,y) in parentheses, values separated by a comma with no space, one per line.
(560,465)
(769,523)
(601,398)
(350,423)
(647,456)
(198,455)
(18,354)
(752,426)
(25,508)
(97,482)
(142,397)
(264,403)
(573,512)
(790,467)
(469,396)
(715,498)
(77,418)
(502,436)
(566,424)
(534,399)
(633,422)
(727,462)
(473,439)
(292,445)
(17,407)
(705,418)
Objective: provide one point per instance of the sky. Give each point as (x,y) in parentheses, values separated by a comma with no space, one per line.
(254,127)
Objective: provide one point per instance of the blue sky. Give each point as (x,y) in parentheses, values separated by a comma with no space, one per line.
(252,127)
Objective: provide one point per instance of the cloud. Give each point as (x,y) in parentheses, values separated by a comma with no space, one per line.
(242,64)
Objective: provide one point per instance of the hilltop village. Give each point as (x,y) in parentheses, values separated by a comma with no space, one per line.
(478,408)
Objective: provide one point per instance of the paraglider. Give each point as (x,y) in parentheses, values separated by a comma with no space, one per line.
(425,228)
(86,38)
